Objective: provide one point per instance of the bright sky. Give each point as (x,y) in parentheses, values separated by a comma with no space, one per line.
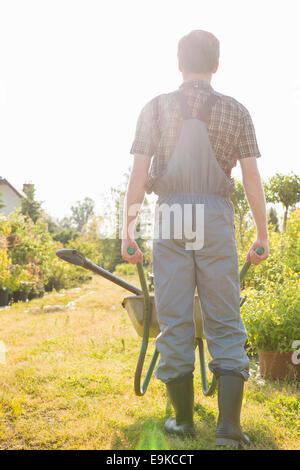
(74,75)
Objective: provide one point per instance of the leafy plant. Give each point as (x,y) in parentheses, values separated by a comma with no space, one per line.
(4,269)
(286,410)
(29,206)
(272,316)
(21,280)
(125,269)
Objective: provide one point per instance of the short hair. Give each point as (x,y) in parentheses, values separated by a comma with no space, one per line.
(198,52)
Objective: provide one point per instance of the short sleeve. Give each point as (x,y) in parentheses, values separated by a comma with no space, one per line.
(247,143)
(146,134)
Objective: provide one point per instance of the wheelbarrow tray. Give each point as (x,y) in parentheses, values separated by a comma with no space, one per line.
(134,304)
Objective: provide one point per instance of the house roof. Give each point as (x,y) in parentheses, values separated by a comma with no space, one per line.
(19,193)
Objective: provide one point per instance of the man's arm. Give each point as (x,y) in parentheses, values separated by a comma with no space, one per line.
(133,200)
(256,199)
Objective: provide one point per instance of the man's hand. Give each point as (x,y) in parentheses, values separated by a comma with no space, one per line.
(136,257)
(253,257)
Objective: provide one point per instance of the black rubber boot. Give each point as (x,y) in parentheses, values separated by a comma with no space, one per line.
(181,394)
(230,397)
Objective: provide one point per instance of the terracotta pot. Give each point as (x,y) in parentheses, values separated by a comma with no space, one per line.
(276,365)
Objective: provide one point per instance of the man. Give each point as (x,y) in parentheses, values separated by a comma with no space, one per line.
(193,137)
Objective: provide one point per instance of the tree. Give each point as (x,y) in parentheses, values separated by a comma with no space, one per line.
(284,189)
(65,235)
(241,208)
(273,219)
(81,212)
(64,231)
(29,206)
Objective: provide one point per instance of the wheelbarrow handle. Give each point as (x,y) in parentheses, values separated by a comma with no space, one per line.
(247,264)
(77,258)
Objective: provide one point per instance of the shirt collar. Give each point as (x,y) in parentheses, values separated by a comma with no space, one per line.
(197,84)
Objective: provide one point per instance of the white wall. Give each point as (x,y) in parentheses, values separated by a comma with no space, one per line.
(9,198)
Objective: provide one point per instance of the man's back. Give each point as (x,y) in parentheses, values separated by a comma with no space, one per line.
(230,128)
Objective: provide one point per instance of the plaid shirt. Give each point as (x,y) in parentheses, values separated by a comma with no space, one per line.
(230,129)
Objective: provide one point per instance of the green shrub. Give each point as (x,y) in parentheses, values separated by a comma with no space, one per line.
(62,275)
(125,269)
(4,269)
(88,248)
(22,279)
(272,316)
(284,251)
(35,266)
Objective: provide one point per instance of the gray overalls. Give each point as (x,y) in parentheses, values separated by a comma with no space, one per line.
(193,179)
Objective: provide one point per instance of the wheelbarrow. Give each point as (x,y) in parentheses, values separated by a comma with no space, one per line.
(142,313)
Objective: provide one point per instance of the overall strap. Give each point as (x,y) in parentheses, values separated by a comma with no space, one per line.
(204,112)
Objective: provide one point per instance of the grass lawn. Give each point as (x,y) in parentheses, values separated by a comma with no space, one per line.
(68,383)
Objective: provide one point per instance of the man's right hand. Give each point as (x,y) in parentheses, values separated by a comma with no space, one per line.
(253,257)
(136,257)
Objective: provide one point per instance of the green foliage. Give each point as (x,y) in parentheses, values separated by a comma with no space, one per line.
(81,212)
(280,256)
(88,242)
(28,261)
(125,269)
(5,260)
(65,235)
(241,209)
(292,241)
(29,206)
(272,315)
(273,219)
(22,279)
(284,189)
(65,231)
(286,410)
(60,275)
(272,311)
(4,269)
(29,242)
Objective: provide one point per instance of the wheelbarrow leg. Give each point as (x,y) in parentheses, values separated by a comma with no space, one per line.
(207,390)
(141,390)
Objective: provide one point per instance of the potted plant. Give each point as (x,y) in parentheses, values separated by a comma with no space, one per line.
(4,277)
(37,290)
(272,321)
(21,283)
(37,287)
